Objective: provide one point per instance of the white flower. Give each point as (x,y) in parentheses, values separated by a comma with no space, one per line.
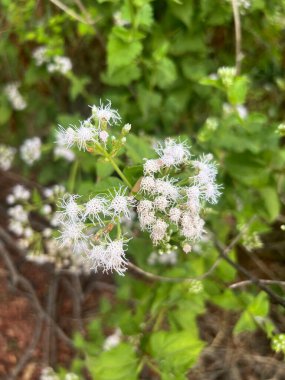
(165,186)
(7,155)
(227,75)
(173,153)
(174,214)
(46,209)
(72,235)
(144,206)
(192,226)
(30,151)
(193,198)
(65,153)
(127,128)
(187,248)
(211,192)
(95,207)
(161,203)
(71,376)
(21,193)
(66,137)
(71,210)
(14,96)
(152,166)
(16,227)
(146,219)
(104,113)
(112,340)
(97,257)
(148,184)
(60,64)
(207,170)
(158,231)
(40,55)
(18,213)
(242,111)
(48,374)
(115,255)
(84,134)
(121,204)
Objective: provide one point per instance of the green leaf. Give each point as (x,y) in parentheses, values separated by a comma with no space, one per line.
(271,202)
(121,53)
(238,91)
(175,352)
(164,73)
(138,149)
(144,16)
(107,184)
(104,169)
(119,363)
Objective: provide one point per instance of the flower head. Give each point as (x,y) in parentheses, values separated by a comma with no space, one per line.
(104,113)
(30,151)
(95,208)
(121,204)
(7,155)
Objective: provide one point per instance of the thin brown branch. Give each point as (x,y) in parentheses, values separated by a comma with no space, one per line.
(238,35)
(245,272)
(240,284)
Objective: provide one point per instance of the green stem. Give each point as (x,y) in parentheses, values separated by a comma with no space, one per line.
(120,173)
(73,175)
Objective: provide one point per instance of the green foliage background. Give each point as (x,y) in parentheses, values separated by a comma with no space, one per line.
(157,70)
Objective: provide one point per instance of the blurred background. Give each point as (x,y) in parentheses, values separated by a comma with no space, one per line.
(211,72)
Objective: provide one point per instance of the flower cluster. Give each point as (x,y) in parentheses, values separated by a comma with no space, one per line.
(15,98)
(86,228)
(30,151)
(7,155)
(94,131)
(57,63)
(171,205)
(35,234)
(227,75)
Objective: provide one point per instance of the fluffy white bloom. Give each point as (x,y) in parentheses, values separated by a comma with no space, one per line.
(7,155)
(192,226)
(148,184)
(40,55)
(60,64)
(30,151)
(62,141)
(70,209)
(95,208)
(146,219)
(66,137)
(104,113)
(19,193)
(193,198)
(187,248)
(173,153)
(158,231)
(152,166)
(161,203)
(114,257)
(16,227)
(46,209)
(65,153)
(166,187)
(174,215)
(73,235)
(14,96)
(144,206)
(112,340)
(207,170)
(211,192)
(126,128)
(121,204)
(84,134)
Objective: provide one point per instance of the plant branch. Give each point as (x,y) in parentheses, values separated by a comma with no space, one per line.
(262,281)
(238,35)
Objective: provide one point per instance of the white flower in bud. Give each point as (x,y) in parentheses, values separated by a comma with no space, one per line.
(18,213)
(152,166)
(16,227)
(127,128)
(30,151)
(121,204)
(123,140)
(60,64)
(71,210)
(161,203)
(47,232)
(187,248)
(95,208)
(192,226)
(148,185)
(174,215)
(103,136)
(21,192)
(112,340)
(28,232)
(40,55)
(10,199)
(158,231)
(15,98)
(104,113)
(46,209)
